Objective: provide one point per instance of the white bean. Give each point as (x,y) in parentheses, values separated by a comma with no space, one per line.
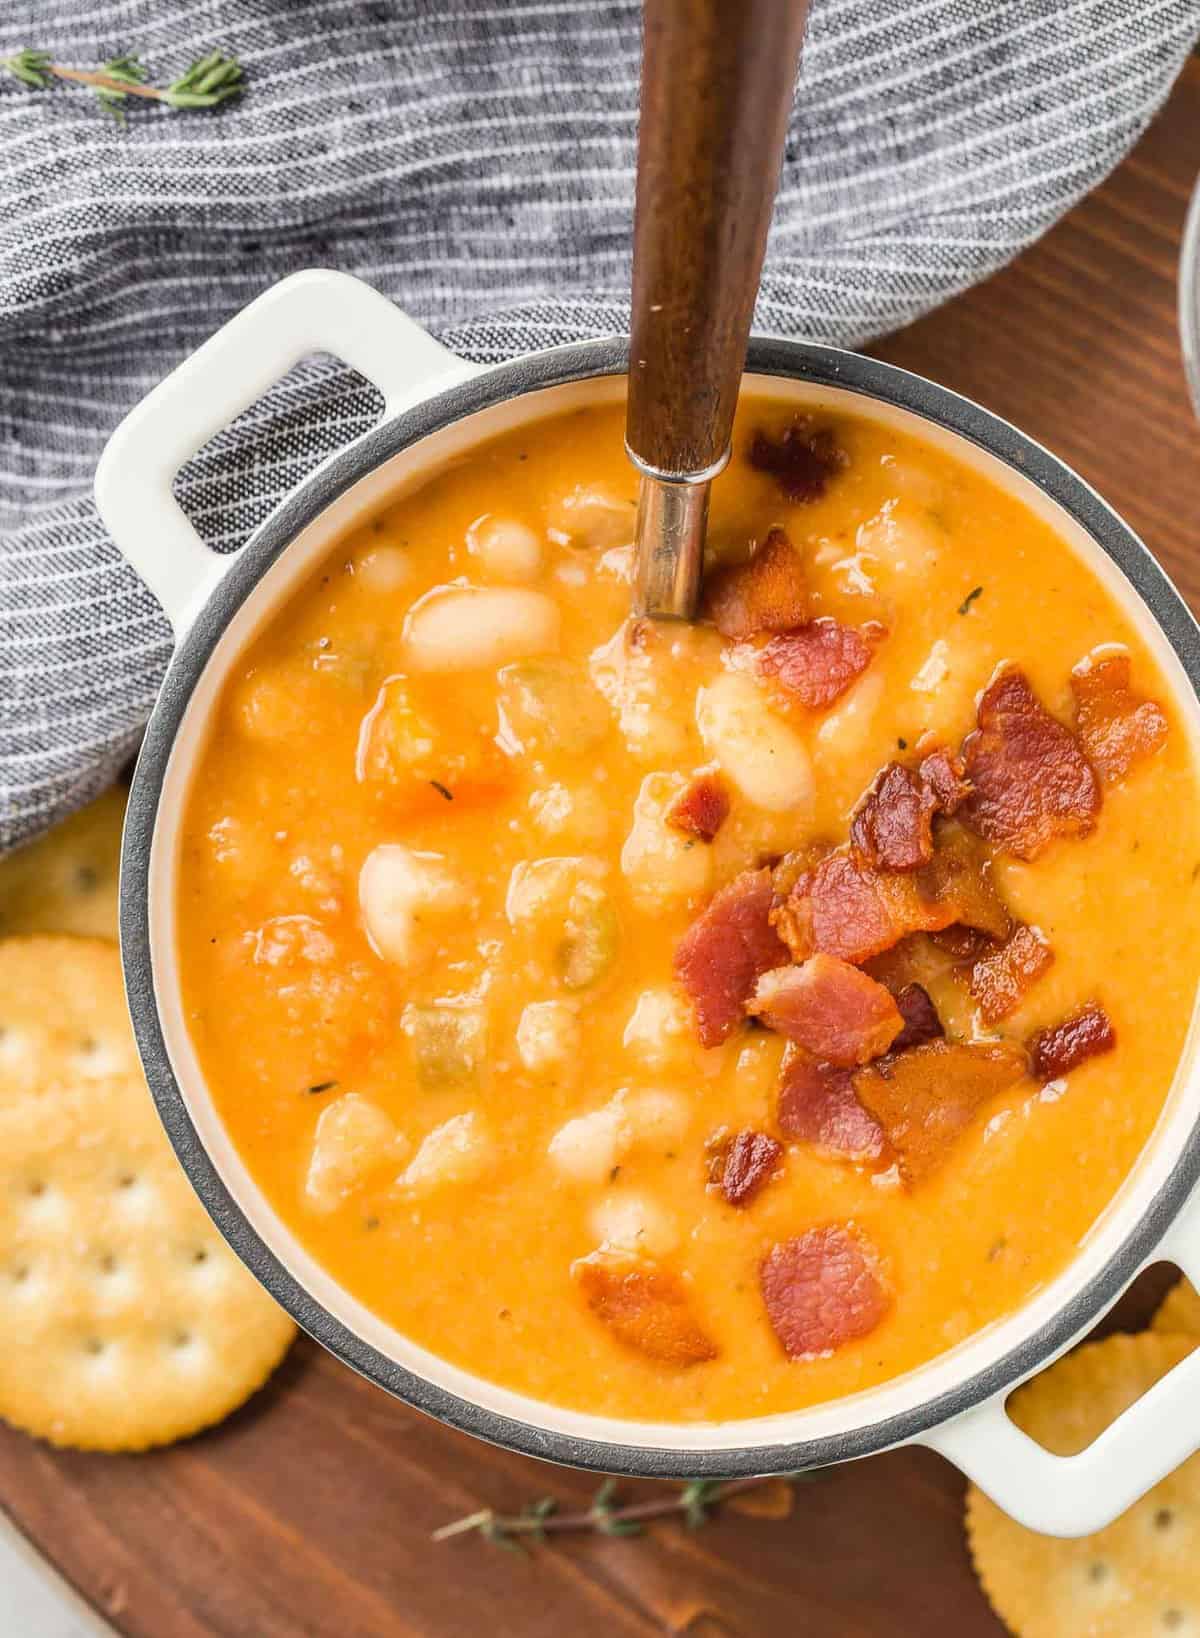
(455,628)
(637,685)
(660,1030)
(905,537)
(540,888)
(764,758)
(458,1151)
(354,1137)
(548,1035)
(627,1221)
(592,516)
(587,1148)
(395,883)
(845,730)
(507,549)
(579,815)
(652,1114)
(383,569)
(662,865)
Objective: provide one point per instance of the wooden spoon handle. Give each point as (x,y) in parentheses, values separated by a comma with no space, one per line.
(717,83)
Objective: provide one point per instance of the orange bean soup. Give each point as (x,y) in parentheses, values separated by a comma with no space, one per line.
(473,865)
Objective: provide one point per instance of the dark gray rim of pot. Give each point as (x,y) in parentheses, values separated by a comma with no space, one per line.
(799,361)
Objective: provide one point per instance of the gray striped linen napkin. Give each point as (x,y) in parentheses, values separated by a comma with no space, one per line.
(474,159)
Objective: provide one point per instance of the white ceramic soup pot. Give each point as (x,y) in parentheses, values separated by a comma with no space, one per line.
(438,408)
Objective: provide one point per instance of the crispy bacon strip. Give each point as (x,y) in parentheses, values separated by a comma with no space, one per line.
(802,459)
(893,824)
(816,663)
(845,907)
(943,772)
(921,1021)
(1065,1046)
(822,1289)
(959,879)
(766,593)
(1117,726)
(750,1159)
(830,1008)
(817,1104)
(724,952)
(701,808)
(999,979)
(646,1308)
(963,944)
(1031,779)
(925,1098)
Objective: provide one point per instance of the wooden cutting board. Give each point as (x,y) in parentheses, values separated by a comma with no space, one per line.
(309,1514)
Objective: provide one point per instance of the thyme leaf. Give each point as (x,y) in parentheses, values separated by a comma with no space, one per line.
(695,1503)
(210,80)
(965,606)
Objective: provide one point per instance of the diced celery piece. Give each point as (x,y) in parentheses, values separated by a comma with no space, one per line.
(449,1043)
(593,934)
(551,704)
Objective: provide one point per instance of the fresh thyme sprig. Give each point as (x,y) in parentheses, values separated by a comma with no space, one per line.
(694,1503)
(210,80)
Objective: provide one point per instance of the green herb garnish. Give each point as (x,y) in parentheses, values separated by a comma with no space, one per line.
(210,80)
(965,606)
(695,1503)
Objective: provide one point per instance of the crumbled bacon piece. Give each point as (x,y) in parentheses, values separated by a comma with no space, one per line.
(818,1105)
(822,1289)
(1117,726)
(1062,1048)
(959,879)
(701,808)
(750,1159)
(921,1021)
(925,1098)
(845,907)
(830,1008)
(963,943)
(646,1308)
(945,775)
(816,663)
(802,459)
(999,979)
(724,952)
(893,824)
(766,593)
(1031,779)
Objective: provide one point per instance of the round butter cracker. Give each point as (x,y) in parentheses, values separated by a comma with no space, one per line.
(1138,1576)
(63,1017)
(66,881)
(126,1320)
(1179,1311)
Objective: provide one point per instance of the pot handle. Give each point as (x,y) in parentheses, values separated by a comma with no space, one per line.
(1076,1495)
(315,311)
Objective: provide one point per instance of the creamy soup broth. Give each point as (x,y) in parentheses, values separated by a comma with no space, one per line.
(429,911)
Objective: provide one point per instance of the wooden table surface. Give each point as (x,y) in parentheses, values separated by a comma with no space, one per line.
(309,1514)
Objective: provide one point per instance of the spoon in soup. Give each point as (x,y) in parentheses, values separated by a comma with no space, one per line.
(718,78)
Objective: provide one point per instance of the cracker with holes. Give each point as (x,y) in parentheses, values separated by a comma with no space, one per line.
(1141,1574)
(1179,1311)
(62,1015)
(66,881)
(125,1320)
